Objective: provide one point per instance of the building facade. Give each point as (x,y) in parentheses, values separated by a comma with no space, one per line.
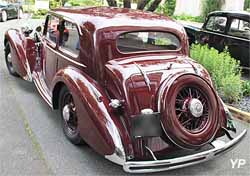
(194,7)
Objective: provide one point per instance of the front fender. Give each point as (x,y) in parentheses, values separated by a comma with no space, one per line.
(19,58)
(99,127)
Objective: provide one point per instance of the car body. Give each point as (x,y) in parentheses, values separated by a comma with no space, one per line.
(120,78)
(10,10)
(222,29)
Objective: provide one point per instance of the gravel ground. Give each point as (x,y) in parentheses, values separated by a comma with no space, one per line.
(244,104)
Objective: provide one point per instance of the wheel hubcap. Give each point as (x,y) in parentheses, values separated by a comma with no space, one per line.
(66,113)
(192,109)
(196,107)
(69,114)
(4,16)
(9,63)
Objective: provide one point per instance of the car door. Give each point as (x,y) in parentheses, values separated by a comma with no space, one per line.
(213,32)
(49,43)
(11,10)
(238,40)
(69,47)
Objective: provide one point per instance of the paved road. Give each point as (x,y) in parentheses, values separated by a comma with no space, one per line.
(32,141)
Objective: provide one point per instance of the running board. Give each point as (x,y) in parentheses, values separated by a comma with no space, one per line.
(42,87)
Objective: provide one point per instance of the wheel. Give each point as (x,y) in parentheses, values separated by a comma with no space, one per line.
(69,116)
(8,60)
(20,14)
(190,112)
(4,16)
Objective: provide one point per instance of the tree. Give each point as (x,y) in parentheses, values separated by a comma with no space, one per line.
(127,3)
(154,5)
(112,3)
(141,4)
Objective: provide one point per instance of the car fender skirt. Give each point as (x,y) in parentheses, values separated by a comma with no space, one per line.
(98,126)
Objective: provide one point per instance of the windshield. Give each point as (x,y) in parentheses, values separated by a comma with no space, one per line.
(147,41)
(3,3)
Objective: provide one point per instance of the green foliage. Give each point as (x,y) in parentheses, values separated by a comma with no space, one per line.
(224,70)
(54,4)
(167,8)
(28,8)
(246,88)
(39,13)
(247,5)
(211,5)
(84,2)
(198,19)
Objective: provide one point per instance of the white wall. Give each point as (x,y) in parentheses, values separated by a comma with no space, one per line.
(194,7)
(233,5)
(188,7)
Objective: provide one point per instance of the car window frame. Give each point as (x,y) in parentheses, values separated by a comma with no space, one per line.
(67,52)
(229,26)
(52,43)
(146,52)
(226,25)
(56,46)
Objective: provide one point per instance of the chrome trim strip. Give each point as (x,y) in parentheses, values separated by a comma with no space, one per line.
(220,148)
(145,76)
(224,35)
(42,92)
(246,68)
(65,57)
(151,152)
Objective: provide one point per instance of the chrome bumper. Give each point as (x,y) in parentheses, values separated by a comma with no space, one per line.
(220,147)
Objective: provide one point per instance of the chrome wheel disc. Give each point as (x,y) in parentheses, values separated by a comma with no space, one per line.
(69,114)
(20,13)
(9,63)
(4,16)
(66,113)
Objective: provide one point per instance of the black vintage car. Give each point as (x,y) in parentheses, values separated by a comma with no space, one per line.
(225,28)
(10,10)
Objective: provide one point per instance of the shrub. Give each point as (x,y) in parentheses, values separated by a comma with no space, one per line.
(247,5)
(84,2)
(224,70)
(246,88)
(54,4)
(184,17)
(211,5)
(167,8)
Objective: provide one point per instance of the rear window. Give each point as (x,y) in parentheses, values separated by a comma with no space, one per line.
(147,41)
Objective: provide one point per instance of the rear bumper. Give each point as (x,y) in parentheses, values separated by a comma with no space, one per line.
(220,147)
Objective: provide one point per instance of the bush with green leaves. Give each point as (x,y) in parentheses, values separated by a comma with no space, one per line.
(167,8)
(247,5)
(211,5)
(246,88)
(84,2)
(224,70)
(184,17)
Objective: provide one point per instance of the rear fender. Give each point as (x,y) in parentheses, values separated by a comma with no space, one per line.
(21,47)
(99,127)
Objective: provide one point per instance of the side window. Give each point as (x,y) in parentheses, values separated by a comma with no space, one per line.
(240,28)
(52,28)
(216,24)
(69,39)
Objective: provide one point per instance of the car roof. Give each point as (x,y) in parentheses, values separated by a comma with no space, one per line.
(103,17)
(240,14)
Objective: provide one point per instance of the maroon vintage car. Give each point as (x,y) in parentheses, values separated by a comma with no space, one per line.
(124,84)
